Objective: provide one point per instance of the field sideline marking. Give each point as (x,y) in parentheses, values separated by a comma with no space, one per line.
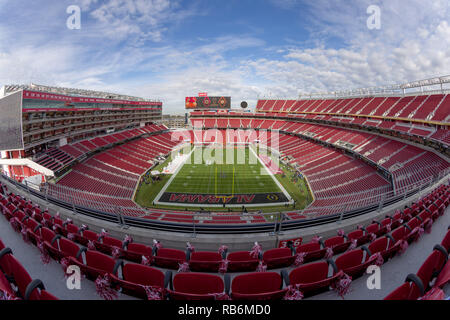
(156,200)
(288,196)
(259,205)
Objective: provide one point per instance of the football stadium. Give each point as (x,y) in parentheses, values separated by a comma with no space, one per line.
(327,194)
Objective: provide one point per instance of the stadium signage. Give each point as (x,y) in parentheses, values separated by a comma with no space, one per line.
(58,97)
(170,197)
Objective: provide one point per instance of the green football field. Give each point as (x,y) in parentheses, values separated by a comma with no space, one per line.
(244,176)
(223,179)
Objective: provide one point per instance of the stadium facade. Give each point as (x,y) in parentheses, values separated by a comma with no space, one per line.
(37,119)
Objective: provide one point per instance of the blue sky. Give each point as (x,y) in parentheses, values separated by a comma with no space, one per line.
(247,49)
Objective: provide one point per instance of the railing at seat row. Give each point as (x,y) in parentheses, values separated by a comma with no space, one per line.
(194,222)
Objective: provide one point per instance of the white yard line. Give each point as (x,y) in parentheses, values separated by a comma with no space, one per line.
(171,179)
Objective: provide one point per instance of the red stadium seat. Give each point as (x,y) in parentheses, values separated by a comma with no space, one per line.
(5,286)
(412,289)
(205,261)
(33,230)
(169,258)
(431,267)
(196,286)
(446,241)
(278,258)
(313,278)
(258,286)
(359,236)
(97,264)
(375,228)
(36,291)
(107,244)
(14,270)
(136,276)
(65,248)
(401,233)
(354,263)
(135,251)
(241,261)
(444,276)
(386,247)
(312,250)
(338,244)
(87,236)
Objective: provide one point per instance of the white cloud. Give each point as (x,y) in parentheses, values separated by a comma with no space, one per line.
(412,44)
(342,53)
(142,19)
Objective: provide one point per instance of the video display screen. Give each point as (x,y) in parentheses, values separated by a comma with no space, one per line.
(208,102)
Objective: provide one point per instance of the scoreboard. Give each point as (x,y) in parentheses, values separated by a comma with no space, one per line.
(208,102)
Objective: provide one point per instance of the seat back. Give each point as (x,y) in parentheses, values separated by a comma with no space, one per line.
(428,268)
(372,228)
(58,222)
(110,241)
(399,233)
(277,253)
(379,245)
(404,292)
(256,283)
(31,223)
(309,273)
(69,248)
(350,259)
(446,241)
(333,241)
(413,223)
(47,235)
(240,256)
(100,261)
(139,248)
(20,275)
(143,275)
(198,283)
(308,247)
(90,235)
(355,234)
(71,228)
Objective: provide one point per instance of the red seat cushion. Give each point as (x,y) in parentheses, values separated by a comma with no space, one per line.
(198,283)
(90,235)
(99,261)
(47,235)
(355,234)
(256,282)
(308,247)
(349,259)
(110,241)
(69,248)
(143,275)
(309,273)
(379,245)
(331,242)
